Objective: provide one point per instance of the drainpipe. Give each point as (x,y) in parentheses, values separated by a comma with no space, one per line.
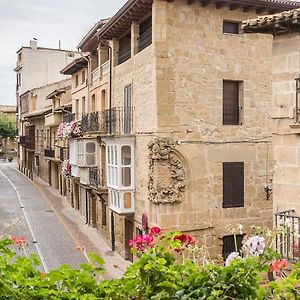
(112,218)
(104,43)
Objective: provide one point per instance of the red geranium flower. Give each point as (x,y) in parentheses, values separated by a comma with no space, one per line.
(185,239)
(278,265)
(18,241)
(155,231)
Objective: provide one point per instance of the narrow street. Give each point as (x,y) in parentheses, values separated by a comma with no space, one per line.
(51,227)
(24,212)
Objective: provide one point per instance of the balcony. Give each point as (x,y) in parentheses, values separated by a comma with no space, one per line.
(124,54)
(119,120)
(145,39)
(69,118)
(288,240)
(50,153)
(105,69)
(96,178)
(121,202)
(95,75)
(53,119)
(93,122)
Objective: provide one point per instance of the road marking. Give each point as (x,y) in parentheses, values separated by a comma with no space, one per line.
(57,214)
(28,223)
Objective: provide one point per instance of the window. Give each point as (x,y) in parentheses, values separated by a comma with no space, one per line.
(127,109)
(233,184)
(120,175)
(76,80)
(77,109)
(231,27)
(229,244)
(83,77)
(73,146)
(120,165)
(87,153)
(231,102)
(18,79)
(93,103)
(83,105)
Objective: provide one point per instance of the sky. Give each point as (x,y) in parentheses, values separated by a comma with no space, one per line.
(49,21)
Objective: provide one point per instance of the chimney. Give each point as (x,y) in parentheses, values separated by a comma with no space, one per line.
(33,44)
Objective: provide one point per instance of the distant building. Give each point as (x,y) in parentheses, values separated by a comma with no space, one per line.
(37,68)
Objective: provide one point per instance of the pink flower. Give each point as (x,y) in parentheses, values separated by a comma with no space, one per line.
(141,242)
(155,231)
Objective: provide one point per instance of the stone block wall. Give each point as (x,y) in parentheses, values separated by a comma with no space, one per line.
(286,139)
(192,58)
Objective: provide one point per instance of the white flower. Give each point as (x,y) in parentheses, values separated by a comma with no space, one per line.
(240,227)
(255,245)
(232,256)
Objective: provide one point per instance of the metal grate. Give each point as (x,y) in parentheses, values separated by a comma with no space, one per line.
(288,240)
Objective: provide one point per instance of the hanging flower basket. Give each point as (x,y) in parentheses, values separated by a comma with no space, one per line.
(66,168)
(69,130)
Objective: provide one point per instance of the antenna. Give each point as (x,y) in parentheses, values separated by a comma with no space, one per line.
(59,44)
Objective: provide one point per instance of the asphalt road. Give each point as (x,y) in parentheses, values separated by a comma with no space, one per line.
(24,212)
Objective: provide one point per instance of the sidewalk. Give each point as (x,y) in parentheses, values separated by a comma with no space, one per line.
(82,234)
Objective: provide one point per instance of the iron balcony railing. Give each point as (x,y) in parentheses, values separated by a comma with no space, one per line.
(50,153)
(145,39)
(288,239)
(69,118)
(96,178)
(119,120)
(93,122)
(124,54)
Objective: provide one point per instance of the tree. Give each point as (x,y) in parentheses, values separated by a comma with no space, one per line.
(7,125)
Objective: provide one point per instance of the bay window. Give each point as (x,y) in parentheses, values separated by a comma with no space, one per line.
(120,174)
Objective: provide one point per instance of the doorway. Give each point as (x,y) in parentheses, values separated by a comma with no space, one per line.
(128,237)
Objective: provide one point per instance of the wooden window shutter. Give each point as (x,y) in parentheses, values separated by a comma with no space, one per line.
(230,102)
(229,245)
(233,184)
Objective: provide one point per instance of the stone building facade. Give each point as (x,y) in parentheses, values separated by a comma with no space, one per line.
(171,71)
(283,29)
(175,106)
(36,67)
